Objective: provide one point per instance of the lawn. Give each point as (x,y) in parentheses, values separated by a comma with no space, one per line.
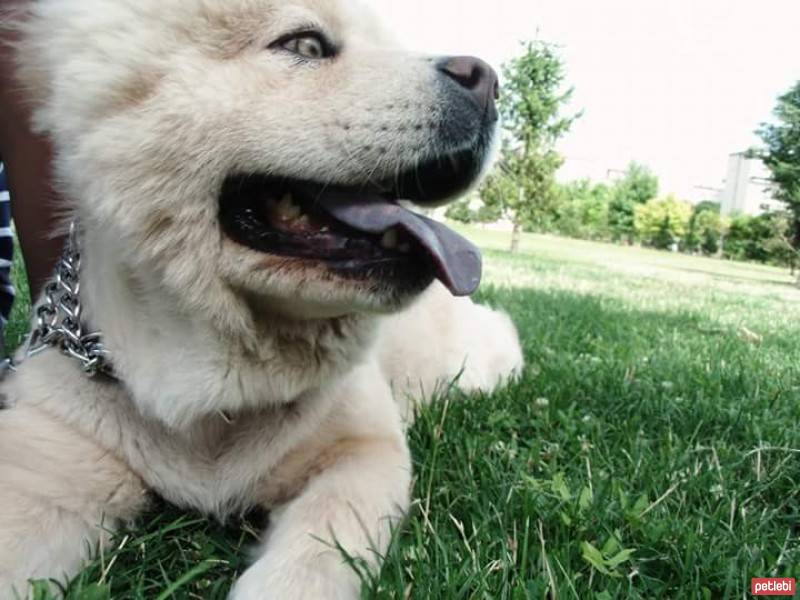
(650,450)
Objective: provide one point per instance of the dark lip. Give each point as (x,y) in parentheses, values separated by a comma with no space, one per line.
(342,249)
(339,246)
(436,180)
(430,183)
(345,252)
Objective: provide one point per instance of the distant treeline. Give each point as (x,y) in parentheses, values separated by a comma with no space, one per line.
(523,189)
(630,211)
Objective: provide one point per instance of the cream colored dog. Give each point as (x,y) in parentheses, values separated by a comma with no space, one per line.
(235,167)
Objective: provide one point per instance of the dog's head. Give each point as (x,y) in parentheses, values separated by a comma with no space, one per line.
(252,154)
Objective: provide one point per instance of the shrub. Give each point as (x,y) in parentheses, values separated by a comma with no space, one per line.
(764,239)
(705,229)
(662,223)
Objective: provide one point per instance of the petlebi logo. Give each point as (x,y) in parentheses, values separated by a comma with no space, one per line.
(772,587)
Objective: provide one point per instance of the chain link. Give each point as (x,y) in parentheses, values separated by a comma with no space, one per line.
(59,322)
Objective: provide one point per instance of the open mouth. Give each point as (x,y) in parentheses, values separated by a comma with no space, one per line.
(357,231)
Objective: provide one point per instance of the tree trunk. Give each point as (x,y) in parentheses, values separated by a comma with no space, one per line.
(515,237)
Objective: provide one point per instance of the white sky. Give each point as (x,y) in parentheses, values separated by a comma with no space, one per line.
(675,84)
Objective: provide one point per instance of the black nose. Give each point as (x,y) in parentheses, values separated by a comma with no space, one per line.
(475,76)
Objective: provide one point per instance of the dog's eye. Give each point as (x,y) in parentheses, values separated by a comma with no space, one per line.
(311,46)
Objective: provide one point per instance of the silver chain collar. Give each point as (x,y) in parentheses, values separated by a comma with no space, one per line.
(59,322)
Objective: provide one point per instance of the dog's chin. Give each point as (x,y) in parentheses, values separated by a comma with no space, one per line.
(330,250)
(311,294)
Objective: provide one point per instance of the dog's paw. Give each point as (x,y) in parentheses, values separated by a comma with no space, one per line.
(288,581)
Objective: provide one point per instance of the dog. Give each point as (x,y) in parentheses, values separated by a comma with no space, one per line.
(271,309)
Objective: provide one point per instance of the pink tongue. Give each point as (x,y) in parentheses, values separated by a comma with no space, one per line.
(457,261)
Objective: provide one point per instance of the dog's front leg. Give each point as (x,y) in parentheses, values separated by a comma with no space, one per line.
(61,495)
(358,472)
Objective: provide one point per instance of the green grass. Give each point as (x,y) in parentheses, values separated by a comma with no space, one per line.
(19,322)
(651,449)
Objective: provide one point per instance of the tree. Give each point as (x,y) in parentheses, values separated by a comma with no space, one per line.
(471,209)
(523,187)
(781,154)
(710,227)
(661,223)
(765,239)
(777,245)
(582,210)
(595,212)
(461,211)
(637,187)
(705,229)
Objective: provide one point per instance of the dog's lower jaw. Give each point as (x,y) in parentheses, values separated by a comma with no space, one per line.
(180,366)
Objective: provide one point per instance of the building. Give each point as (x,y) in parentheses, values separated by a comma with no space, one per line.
(747,187)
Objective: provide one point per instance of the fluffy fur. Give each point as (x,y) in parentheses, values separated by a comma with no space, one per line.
(150,104)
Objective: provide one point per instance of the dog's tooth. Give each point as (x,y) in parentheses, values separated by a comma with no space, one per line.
(287,209)
(389,239)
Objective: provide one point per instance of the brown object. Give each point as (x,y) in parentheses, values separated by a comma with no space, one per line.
(27,158)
